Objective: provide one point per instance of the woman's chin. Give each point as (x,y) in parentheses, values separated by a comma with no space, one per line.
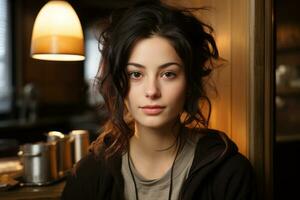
(156,123)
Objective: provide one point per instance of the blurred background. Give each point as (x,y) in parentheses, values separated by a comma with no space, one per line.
(258,88)
(287,72)
(37,96)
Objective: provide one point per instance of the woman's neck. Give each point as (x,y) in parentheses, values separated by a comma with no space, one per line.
(154,140)
(153,150)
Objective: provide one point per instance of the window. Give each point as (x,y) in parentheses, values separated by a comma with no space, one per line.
(5,58)
(91,65)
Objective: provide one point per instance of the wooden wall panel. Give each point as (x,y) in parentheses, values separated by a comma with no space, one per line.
(240,34)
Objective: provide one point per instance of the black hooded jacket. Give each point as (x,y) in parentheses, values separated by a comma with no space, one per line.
(218,172)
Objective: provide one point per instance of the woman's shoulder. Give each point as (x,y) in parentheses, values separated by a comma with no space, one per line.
(218,153)
(95,164)
(237,164)
(88,166)
(210,137)
(216,145)
(218,158)
(83,179)
(237,175)
(88,174)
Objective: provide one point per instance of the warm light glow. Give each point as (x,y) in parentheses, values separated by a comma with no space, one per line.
(60,57)
(57,33)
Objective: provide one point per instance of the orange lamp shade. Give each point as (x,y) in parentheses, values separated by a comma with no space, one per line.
(57,33)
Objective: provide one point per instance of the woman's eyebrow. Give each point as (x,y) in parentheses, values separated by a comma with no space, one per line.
(160,66)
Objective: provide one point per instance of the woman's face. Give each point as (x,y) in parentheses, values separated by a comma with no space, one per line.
(157,83)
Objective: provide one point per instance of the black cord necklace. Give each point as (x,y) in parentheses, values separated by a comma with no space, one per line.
(171,176)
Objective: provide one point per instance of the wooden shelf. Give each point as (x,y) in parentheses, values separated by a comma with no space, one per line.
(288,138)
(287,91)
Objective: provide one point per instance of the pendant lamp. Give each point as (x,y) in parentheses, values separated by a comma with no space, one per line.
(57,33)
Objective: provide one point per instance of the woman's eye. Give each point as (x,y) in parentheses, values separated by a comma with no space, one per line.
(169,75)
(135,75)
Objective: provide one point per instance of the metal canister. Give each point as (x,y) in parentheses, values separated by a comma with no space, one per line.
(80,139)
(64,154)
(39,162)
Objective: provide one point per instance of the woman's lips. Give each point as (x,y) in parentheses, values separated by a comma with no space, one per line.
(152,110)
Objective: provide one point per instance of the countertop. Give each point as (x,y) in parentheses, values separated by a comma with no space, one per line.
(12,187)
(50,192)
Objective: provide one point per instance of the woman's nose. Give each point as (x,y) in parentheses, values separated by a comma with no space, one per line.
(152,89)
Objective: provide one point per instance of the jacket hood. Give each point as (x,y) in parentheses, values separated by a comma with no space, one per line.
(213,148)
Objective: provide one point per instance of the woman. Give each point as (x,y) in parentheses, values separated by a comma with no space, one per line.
(156,144)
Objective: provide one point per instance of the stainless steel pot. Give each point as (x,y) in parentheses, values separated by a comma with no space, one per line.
(39,162)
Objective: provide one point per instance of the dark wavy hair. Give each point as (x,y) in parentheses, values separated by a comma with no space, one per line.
(193,42)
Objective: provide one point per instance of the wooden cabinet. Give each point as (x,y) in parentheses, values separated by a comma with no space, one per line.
(287,69)
(287,145)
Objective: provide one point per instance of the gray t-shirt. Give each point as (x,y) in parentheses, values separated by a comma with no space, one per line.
(159,188)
